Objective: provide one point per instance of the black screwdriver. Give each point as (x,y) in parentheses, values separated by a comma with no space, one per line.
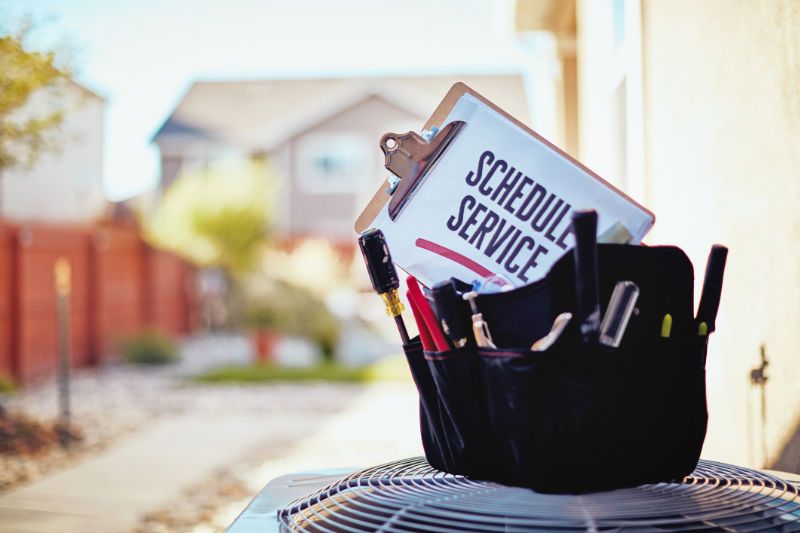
(453,312)
(383,275)
(584,227)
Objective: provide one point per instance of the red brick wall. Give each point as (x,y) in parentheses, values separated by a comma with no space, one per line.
(119,286)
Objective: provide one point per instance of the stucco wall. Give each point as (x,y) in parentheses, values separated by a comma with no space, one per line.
(722,164)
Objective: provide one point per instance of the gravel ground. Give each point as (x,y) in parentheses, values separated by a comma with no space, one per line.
(111,402)
(115,401)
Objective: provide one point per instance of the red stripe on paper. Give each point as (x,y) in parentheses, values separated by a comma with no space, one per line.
(454,256)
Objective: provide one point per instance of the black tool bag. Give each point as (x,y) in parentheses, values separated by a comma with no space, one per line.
(575,417)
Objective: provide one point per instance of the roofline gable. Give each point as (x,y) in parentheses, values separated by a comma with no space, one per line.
(332,104)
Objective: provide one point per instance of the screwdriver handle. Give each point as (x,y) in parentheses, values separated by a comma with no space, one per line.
(453,312)
(584,228)
(380,267)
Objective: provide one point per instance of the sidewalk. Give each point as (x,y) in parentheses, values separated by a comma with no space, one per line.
(382,425)
(111,492)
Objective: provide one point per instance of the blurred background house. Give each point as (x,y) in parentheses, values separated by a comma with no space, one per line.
(66,186)
(320,136)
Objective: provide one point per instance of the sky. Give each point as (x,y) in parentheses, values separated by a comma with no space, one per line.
(143,55)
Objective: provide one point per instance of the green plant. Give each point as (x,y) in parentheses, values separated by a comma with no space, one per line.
(268,312)
(149,348)
(7,385)
(218,217)
(390,369)
(277,305)
(25,72)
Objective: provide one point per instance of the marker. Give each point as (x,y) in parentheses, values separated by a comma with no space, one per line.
(383,275)
(666,326)
(712,287)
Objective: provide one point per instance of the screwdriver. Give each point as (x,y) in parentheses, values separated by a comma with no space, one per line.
(383,275)
(584,227)
(452,312)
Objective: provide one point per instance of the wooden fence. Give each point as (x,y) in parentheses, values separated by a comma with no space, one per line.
(120,286)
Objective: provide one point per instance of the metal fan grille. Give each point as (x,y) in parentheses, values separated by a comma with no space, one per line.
(409,495)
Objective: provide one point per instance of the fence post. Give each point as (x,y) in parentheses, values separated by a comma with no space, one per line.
(63,282)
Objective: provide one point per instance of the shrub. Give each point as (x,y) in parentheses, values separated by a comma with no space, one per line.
(149,348)
(289,309)
(6,385)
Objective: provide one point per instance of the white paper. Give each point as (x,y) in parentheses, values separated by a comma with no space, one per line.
(443,231)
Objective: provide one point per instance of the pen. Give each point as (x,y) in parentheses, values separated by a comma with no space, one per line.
(383,275)
(584,228)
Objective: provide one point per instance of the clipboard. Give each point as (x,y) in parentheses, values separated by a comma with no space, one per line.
(412,164)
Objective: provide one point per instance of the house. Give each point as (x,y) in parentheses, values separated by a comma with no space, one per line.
(320,136)
(64,186)
(56,213)
(693,109)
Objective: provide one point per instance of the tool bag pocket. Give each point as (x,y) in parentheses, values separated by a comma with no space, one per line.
(575,419)
(457,377)
(433,429)
(688,414)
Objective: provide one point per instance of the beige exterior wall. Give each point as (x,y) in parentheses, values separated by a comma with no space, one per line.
(719,108)
(67,186)
(722,140)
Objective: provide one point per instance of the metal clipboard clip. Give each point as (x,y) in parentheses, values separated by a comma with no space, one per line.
(411,157)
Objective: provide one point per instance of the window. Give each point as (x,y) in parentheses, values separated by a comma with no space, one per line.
(333,162)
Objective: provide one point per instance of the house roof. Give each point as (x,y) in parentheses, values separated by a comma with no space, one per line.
(86,91)
(259,114)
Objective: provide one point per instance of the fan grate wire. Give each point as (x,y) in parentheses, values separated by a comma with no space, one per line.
(409,495)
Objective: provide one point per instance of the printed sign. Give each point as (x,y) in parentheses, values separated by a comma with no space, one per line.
(499,201)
